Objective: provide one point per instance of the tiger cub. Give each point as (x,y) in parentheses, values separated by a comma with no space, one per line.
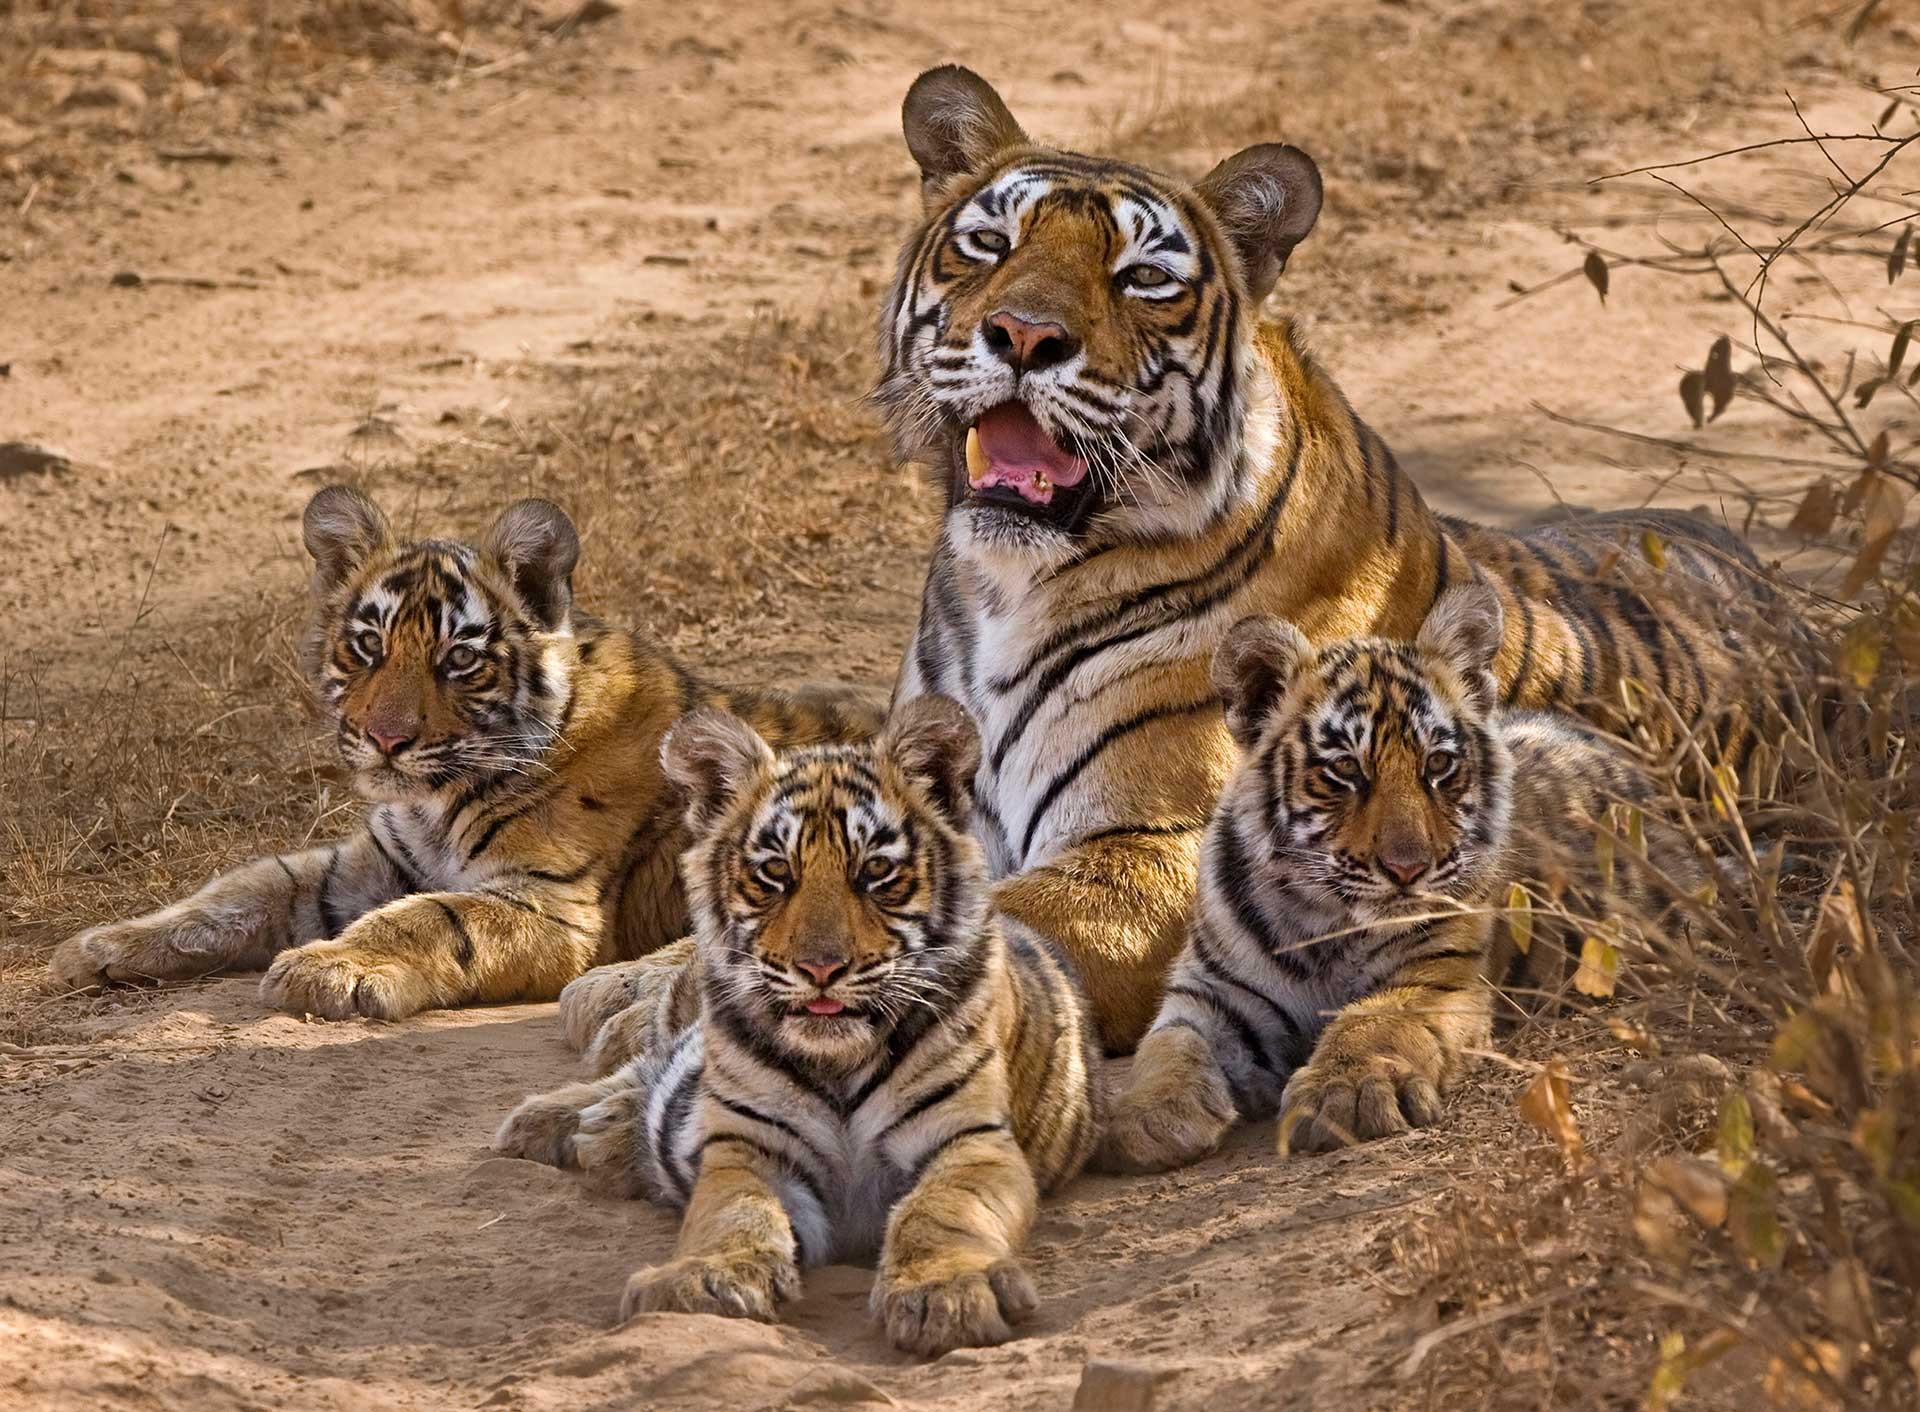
(521,828)
(1343,957)
(878,1063)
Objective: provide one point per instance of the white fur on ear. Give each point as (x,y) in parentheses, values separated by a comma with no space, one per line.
(711,754)
(1252,668)
(538,546)
(342,529)
(1266,199)
(1466,627)
(933,739)
(954,123)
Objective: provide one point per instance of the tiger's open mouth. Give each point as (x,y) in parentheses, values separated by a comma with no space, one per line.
(1013,464)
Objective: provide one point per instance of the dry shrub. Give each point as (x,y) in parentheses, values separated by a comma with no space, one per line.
(1727,1211)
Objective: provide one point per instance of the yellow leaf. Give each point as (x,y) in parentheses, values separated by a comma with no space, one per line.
(1599,968)
(1849,1300)
(1753,1219)
(1656,1220)
(1795,1042)
(1520,918)
(1734,1141)
(1874,1135)
(1653,549)
(1603,853)
(1670,1375)
(1860,652)
(1636,828)
(1726,790)
(1548,1105)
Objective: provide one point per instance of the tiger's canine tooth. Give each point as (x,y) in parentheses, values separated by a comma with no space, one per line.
(977,464)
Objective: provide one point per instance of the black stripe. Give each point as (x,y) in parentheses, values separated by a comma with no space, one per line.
(928,1157)
(779,1159)
(463,953)
(1099,744)
(328,925)
(937,1096)
(754,1115)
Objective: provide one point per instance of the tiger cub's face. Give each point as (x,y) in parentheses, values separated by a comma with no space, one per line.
(1374,783)
(436,658)
(1066,339)
(834,889)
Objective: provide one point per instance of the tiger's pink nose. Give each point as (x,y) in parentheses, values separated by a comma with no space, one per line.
(1405,868)
(390,744)
(1027,345)
(824,970)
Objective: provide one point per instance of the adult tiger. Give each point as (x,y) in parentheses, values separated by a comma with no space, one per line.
(522,830)
(1134,461)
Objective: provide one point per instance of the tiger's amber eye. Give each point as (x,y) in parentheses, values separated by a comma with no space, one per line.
(774,872)
(1440,764)
(1345,768)
(367,643)
(1146,276)
(876,870)
(991,241)
(461,658)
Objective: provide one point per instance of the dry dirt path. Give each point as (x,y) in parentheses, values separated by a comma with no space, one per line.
(206,1207)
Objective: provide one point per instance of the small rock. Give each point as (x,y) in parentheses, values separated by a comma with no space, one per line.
(115,62)
(14,136)
(1119,1387)
(835,1387)
(107,93)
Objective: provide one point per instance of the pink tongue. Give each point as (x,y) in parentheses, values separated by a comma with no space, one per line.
(824,1006)
(1019,451)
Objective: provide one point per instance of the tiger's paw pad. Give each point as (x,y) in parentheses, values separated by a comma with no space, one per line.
(970,1310)
(737,1287)
(1330,1106)
(338,980)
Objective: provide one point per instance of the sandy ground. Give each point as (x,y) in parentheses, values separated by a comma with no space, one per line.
(205,1206)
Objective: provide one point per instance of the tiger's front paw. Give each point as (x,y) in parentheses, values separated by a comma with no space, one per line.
(969,1308)
(543,1127)
(342,978)
(1339,1100)
(167,946)
(1175,1110)
(737,1286)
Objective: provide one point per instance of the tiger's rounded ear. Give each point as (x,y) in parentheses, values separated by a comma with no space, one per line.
(536,544)
(955,123)
(1266,200)
(1465,627)
(711,754)
(933,739)
(1252,668)
(342,529)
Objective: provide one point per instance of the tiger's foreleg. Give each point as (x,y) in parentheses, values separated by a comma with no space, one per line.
(1383,1063)
(239,921)
(949,1277)
(1118,908)
(1220,1052)
(437,949)
(737,1254)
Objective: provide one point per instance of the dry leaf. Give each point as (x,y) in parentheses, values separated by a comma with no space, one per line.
(1733,1139)
(1698,1186)
(1866,567)
(1718,377)
(1814,518)
(1599,968)
(1898,352)
(1693,392)
(1753,1219)
(1860,652)
(1654,551)
(1838,930)
(1547,1104)
(1896,258)
(1520,918)
(1596,270)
